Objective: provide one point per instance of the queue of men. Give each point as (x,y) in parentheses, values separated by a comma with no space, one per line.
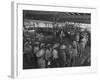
(64,53)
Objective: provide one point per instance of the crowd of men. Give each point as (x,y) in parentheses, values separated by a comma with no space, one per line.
(59,49)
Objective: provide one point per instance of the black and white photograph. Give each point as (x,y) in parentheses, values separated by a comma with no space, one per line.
(56,39)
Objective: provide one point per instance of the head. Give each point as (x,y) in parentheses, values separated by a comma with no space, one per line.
(36,49)
(63,47)
(74,44)
(69,46)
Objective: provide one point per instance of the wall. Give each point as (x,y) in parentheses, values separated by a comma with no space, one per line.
(5,38)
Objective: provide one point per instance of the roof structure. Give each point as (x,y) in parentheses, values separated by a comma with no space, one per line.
(57,16)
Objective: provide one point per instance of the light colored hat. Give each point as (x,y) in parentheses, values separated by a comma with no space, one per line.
(63,47)
(56,45)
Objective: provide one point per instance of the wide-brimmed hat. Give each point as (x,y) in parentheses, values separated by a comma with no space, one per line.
(56,45)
